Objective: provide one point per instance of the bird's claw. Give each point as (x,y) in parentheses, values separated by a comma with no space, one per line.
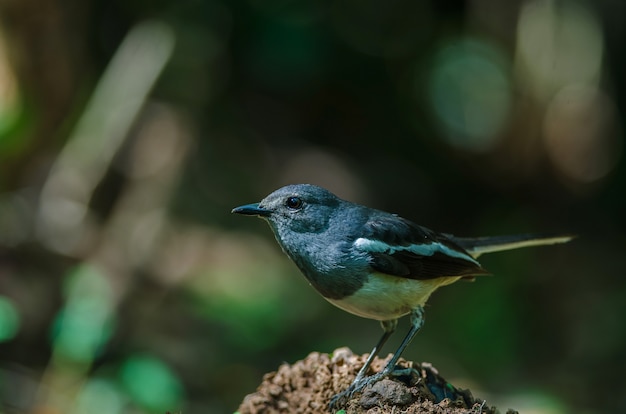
(408,375)
(343,397)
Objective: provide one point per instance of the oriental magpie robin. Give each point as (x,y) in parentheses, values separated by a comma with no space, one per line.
(371,263)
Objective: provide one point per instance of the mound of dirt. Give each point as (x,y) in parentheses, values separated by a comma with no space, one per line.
(308,385)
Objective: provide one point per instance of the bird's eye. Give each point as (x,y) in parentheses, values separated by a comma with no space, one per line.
(293,203)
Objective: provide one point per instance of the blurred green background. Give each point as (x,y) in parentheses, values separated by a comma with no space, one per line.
(130,129)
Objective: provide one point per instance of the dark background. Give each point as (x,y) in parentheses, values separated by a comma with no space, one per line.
(130,129)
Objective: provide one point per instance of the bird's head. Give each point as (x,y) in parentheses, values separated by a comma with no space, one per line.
(300,208)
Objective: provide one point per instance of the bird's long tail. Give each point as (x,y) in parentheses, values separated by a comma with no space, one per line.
(476,246)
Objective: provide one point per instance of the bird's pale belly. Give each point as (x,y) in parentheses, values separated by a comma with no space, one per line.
(385,297)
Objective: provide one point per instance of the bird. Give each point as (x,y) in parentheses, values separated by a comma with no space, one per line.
(372,263)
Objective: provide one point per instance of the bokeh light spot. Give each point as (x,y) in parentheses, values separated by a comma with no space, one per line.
(10,101)
(558,43)
(84,325)
(152,384)
(470,93)
(582,133)
(99,395)
(9,319)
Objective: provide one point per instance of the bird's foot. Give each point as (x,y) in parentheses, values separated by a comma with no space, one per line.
(410,375)
(357,386)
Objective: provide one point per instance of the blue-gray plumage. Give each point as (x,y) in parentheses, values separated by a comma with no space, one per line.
(371,263)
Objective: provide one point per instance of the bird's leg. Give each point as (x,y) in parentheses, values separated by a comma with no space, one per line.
(417,321)
(388,328)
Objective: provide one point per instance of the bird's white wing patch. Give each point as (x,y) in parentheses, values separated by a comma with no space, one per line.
(422,249)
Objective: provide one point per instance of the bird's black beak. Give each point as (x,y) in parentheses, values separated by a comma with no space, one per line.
(252,210)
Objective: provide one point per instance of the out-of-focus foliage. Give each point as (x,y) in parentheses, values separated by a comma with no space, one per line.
(129,130)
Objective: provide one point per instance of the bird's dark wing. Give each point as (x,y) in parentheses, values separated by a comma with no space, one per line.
(401,248)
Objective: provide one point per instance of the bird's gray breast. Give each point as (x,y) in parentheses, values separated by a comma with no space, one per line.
(332,267)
